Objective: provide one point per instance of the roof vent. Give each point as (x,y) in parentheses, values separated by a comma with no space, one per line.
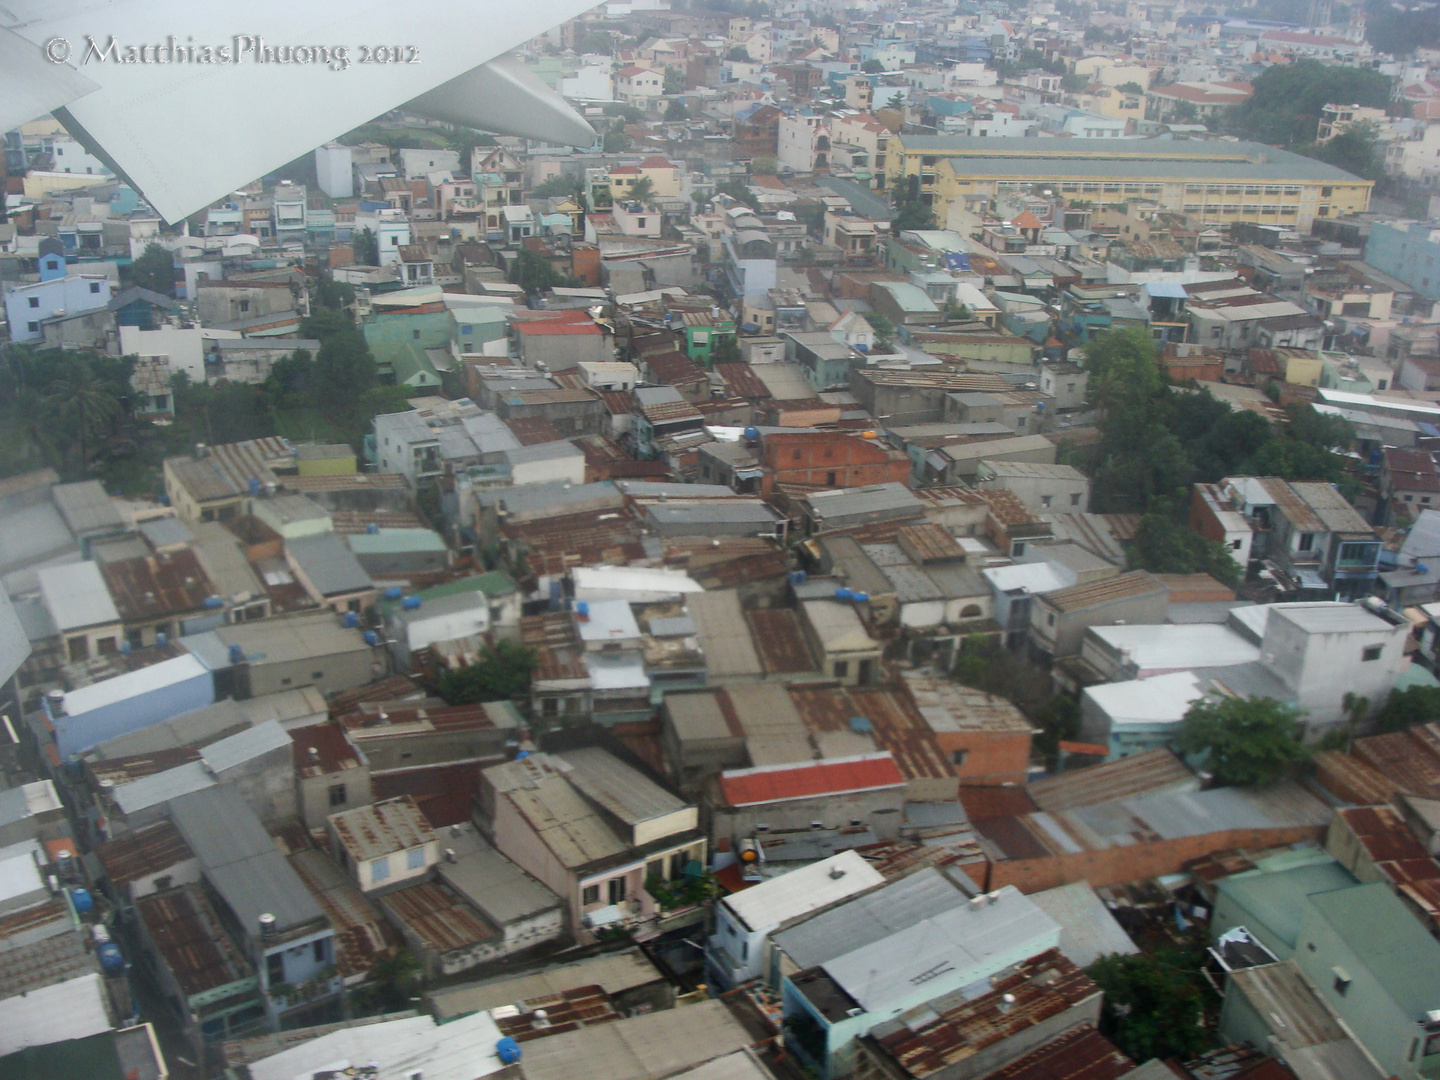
(836,873)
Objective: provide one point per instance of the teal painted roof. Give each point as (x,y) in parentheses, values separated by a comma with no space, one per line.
(391,330)
(908,297)
(392,541)
(492,583)
(1389,941)
(1277,900)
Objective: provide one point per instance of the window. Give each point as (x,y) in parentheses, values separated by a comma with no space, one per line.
(1235,545)
(1370,652)
(830,478)
(616,888)
(274,969)
(34,301)
(590,895)
(1342,981)
(655,868)
(1050,619)
(1045,500)
(678,862)
(337,795)
(1075,498)
(244,305)
(842,669)
(380,868)
(94,286)
(1305,542)
(33,327)
(957,757)
(319,947)
(415,859)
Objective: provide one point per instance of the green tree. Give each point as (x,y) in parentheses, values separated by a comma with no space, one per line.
(81,403)
(559,186)
(726,349)
(1244,741)
(764,165)
(676,111)
(872,67)
(595,42)
(1285,108)
(395,982)
(1130,88)
(533,273)
(324,323)
(738,54)
(615,142)
(1164,546)
(365,247)
(344,369)
(502,673)
(642,191)
(154,270)
(674,82)
(1153,1005)
(1408,707)
(1058,721)
(897,101)
(1357,150)
(884,331)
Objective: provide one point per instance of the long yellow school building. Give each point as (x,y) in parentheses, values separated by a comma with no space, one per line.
(1217,181)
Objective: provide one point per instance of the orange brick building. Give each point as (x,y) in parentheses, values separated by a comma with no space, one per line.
(825,459)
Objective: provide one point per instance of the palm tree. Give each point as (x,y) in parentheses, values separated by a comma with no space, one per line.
(642,191)
(77,397)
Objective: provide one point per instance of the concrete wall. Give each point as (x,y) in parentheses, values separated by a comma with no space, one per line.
(1321,668)
(312,794)
(75,734)
(339,671)
(882,810)
(513,838)
(266,783)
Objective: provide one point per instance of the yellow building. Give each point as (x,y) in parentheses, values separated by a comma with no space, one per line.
(1216,182)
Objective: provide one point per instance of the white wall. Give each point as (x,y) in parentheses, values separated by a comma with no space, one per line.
(185,348)
(334,169)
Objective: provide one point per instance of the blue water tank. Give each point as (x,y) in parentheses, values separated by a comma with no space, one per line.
(522,754)
(861,725)
(82,900)
(372,529)
(410,603)
(860,597)
(752,434)
(214,601)
(237,654)
(508,1050)
(797,577)
(110,957)
(394,592)
(582,607)
(161,638)
(350,620)
(125,648)
(372,638)
(843,593)
(254,488)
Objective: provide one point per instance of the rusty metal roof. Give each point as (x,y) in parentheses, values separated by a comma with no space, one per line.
(929,543)
(362,936)
(899,728)
(1080,1054)
(368,832)
(189,937)
(952,1028)
(1138,774)
(555,1014)
(1411,759)
(158,586)
(779,641)
(1124,587)
(439,916)
(321,749)
(147,851)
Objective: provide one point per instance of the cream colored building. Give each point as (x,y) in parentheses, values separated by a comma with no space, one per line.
(1215,182)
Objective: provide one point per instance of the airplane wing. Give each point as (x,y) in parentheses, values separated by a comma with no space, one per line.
(188,132)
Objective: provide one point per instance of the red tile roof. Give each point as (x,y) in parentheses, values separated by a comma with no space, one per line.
(655,161)
(555,328)
(747,787)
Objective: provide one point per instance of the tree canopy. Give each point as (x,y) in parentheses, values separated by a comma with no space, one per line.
(1408,707)
(1285,108)
(1156,439)
(501,673)
(1244,741)
(1163,545)
(154,270)
(1153,1004)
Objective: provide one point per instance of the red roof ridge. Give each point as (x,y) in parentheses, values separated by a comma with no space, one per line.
(807,779)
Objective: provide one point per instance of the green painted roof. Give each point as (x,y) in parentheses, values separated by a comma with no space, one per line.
(391,541)
(94,1058)
(390,330)
(1277,900)
(1389,941)
(492,583)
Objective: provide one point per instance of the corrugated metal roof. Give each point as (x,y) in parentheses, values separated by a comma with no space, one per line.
(191,940)
(76,596)
(1087,929)
(1142,773)
(383,828)
(720,625)
(1080,1054)
(362,936)
(439,917)
(1124,587)
(808,780)
(868,917)
(613,972)
(620,789)
(241,861)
